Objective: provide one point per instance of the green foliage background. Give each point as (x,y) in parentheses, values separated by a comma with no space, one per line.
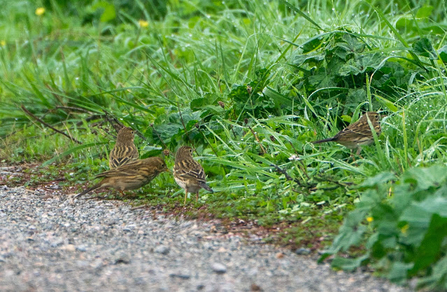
(249,85)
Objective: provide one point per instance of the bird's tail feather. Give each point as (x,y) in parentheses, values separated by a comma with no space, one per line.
(206,187)
(324,140)
(88,190)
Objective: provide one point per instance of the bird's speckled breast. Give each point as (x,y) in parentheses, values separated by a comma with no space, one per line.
(181,183)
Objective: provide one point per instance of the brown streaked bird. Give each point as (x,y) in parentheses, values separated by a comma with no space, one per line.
(130,176)
(357,134)
(124,150)
(188,173)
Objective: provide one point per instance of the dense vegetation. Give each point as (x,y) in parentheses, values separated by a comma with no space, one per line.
(249,85)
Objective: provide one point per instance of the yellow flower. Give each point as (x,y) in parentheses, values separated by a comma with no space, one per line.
(143,23)
(2,43)
(369,219)
(404,229)
(40,11)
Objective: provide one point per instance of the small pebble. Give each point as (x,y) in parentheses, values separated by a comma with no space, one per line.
(81,248)
(302,251)
(219,268)
(69,247)
(57,242)
(279,255)
(162,249)
(180,275)
(122,258)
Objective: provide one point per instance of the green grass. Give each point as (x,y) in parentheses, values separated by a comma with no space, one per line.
(248,84)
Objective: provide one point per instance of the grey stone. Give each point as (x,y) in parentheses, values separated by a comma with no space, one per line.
(302,251)
(219,268)
(162,249)
(180,275)
(57,242)
(81,248)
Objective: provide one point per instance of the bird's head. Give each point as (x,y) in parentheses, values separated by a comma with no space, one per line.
(184,152)
(125,134)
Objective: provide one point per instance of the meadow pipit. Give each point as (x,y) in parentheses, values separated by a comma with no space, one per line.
(357,134)
(130,176)
(124,150)
(188,173)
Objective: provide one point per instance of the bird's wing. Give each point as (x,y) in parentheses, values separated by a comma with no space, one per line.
(354,131)
(117,161)
(190,170)
(122,155)
(129,169)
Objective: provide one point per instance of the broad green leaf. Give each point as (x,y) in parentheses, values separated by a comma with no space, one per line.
(351,232)
(436,280)
(379,179)
(310,59)
(109,11)
(398,271)
(418,217)
(385,220)
(424,48)
(347,264)
(313,43)
(199,103)
(424,178)
(443,53)
(166,132)
(424,12)
(430,248)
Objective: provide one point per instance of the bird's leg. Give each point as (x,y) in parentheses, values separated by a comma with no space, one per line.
(352,156)
(359,149)
(197,196)
(186,195)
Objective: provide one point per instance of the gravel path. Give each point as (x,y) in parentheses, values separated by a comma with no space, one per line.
(61,244)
